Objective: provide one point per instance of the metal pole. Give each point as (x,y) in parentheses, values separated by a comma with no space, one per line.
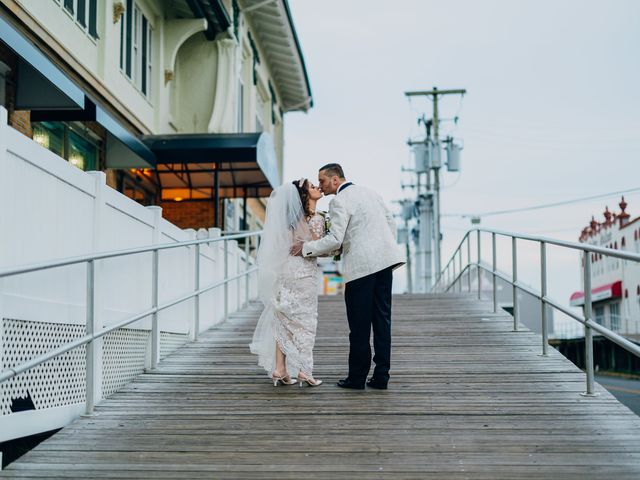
(90,350)
(237,282)
(226,276)
(469,261)
(588,333)
(196,305)
(479,272)
(437,256)
(453,264)
(247,265)
(436,175)
(408,253)
(494,270)
(543,296)
(514,261)
(216,197)
(244,211)
(460,267)
(155,331)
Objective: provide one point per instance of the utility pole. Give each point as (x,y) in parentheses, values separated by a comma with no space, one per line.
(435,94)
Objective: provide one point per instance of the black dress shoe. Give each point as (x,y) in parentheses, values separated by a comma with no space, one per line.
(373,383)
(347,383)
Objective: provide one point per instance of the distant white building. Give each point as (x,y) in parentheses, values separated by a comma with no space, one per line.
(615,283)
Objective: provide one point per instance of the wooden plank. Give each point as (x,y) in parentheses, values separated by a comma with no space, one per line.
(469,398)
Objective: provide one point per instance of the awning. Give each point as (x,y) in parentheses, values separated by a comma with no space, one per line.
(124,149)
(40,83)
(605,292)
(190,166)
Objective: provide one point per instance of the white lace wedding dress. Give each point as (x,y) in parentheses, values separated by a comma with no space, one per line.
(290,317)
(296,307)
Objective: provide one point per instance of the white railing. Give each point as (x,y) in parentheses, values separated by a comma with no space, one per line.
(453,274)
(92,334)
(52,210)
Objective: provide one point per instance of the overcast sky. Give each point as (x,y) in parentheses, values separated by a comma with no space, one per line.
(552,110)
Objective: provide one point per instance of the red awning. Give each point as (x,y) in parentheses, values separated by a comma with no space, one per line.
(605,292)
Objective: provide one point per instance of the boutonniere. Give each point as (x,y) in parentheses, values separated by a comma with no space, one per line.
(327,221)
(327,229)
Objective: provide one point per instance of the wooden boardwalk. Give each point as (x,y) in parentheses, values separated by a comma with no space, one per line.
(469,398)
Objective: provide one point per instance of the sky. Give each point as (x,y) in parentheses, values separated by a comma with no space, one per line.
(552,110)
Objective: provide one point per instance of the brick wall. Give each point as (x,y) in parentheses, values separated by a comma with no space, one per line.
(21,121)
(188,214)
(18,119)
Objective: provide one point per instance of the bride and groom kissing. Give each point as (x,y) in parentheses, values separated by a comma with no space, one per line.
(361,229)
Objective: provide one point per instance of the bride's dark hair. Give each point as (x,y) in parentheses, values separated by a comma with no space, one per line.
(303,191)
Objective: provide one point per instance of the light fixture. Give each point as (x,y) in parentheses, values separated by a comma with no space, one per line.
(77,160)
(41,138)
(178,199)
(118,10)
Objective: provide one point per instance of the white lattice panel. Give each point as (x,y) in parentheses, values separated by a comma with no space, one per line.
(60,381)
(169,342)
(124,352)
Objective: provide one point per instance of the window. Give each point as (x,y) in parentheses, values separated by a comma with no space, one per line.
(599,315)
(135,191)
(75,144)
(614,315)
(85,12)
(136,40)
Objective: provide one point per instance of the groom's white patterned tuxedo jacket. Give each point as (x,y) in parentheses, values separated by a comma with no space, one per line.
(364,227)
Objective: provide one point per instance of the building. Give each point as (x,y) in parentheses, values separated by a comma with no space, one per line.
(331,281)
(126,124)
(180,102)
(615,283)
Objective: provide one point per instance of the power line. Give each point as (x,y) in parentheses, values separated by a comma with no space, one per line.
(539,207)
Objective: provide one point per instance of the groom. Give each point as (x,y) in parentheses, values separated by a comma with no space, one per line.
(365,229)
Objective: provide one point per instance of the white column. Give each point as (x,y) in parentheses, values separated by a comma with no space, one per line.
(3,227)
(97,245)
(224,103)
(155,323)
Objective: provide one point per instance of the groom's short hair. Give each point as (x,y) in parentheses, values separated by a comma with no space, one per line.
(331,169)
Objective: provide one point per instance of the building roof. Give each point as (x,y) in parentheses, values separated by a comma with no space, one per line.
(273,28)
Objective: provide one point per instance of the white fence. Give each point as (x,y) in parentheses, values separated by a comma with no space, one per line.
(49,209)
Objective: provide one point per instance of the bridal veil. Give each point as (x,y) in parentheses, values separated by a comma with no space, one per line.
(284,228)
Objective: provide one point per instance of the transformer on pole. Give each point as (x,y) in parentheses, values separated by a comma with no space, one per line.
(428,162)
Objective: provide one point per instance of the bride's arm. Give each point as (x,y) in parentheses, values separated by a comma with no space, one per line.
(332,240)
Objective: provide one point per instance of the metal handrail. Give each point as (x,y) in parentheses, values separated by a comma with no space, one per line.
(452,278)
(91,335)
(63,262)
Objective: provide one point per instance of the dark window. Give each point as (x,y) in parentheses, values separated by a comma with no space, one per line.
(93,18)
(68,4)
(129,30)
(122,42)
(81,14)
(143,80)
(73,144)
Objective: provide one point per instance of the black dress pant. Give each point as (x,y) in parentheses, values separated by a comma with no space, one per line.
(368,302)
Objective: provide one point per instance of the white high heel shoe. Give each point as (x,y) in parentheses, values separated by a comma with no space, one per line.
(286,380)
(312,382)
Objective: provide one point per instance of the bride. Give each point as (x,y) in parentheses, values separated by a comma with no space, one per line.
(287,285)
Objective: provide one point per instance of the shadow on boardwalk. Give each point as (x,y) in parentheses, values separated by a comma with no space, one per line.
(469,398)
